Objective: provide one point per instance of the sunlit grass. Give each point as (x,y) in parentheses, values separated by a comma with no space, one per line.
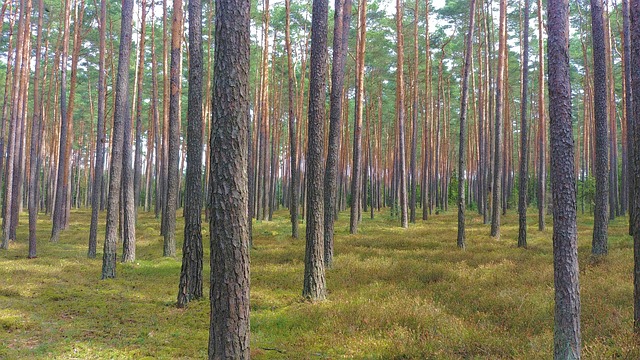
(393,293)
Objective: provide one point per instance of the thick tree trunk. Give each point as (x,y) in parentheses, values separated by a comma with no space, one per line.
(229,294)
(462,150)
(115,171)
(601,213)
(314,281)
(565,236)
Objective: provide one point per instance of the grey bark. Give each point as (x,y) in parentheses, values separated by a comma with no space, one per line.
(566,337)
(462,152)
(191,273)
(229,330)
(173,175)
(314,287)
(600,106)
(524,134)
(119,114)
(342,21)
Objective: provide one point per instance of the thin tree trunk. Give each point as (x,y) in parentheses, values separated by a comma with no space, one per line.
(524,134)
(542,128)
(35,140)
(191,273)
(59,208)
(462,152)
(99,165)
(169,248)
(498,157)
(404,221)
(137,174)
(342,22)
(356,170)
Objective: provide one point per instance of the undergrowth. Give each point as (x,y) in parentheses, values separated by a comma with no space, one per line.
(393,294)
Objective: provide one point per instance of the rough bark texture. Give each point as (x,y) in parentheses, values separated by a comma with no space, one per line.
(99,164)
(524,134)
(314,287)
(462,151)
(565,252)
(127,206)
(191,273)
(601,211)
(229,331)
(173,176)
(115,172)
(342,21)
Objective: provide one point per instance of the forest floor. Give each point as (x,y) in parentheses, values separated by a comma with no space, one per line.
(392,293)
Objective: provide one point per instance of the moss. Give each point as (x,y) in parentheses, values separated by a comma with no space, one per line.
(393,294)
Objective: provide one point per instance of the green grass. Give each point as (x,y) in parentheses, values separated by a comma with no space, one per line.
(393,293)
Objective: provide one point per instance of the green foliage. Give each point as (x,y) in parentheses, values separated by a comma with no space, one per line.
(393,293)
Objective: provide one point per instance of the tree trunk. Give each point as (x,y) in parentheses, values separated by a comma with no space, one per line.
(634,10)
(137,174)
(629,113)
(404,221)
(99,165)
(524,134)
(462,151)
(59,208)
(35,140)
(293,146)
(414,119)
(498,135)
(314,281)
(191,272)
(173,178)
(342,21)
(115,171)
(601,213)
(229,294)
(542,128)
(565,250)
(356,170)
